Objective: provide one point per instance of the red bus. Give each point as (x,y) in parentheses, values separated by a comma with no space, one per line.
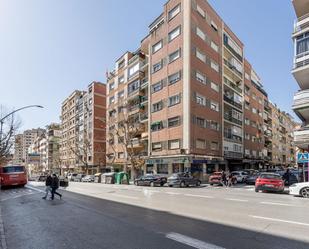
(13,175)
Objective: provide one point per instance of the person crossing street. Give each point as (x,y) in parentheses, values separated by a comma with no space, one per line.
(55,186)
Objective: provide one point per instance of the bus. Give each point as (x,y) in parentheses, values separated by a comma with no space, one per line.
(13,175)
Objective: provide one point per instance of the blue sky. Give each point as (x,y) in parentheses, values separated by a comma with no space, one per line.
(50,48)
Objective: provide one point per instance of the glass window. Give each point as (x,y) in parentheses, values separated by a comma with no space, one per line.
(215,87)
(200,11)
(173,144)
(214,66)
(133,70)
(214,125)
(121,79)
(174,56)
(214,25)
(200,77)
(156,67)
(200,122)
(157,106)
(157,87)
(112,100)
(121,94)
(200,33)
(302,46)
(111,86)
(201,100)
(156,47)
(200,55)
(200,144)
(174,100)
(214,146)
(174,12)
(172,79)
(121,155)
(214,106)
(172,122)
(133,86)
(214,46)
(157,126)
(157,146)
(174,33)
(162,169)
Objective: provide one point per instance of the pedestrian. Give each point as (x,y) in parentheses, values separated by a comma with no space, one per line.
(230,180)
(223,178)
(286,177)
(48,183)
(55,186)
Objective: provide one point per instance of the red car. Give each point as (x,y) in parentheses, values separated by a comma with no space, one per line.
(269,182)
(215,178)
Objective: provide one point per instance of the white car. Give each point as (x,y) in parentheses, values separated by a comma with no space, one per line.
(300,189)
(88,178)
(240,175)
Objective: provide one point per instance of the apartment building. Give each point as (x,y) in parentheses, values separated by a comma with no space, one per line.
(83,130)
(300,71)
(283,148)
(197,101)
(53,132)
(18,149)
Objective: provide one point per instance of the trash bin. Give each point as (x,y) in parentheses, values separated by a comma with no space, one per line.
(122,178)
(97,177)
(63,182)
(108,178)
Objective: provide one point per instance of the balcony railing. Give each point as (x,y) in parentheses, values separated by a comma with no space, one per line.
(301,98)
(232,85)
(232,102)
(233,155)
(301,63)
(231,119)
(233,68)
(301,23)
(232,137)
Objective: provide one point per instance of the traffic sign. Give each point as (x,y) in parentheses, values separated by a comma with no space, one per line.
(303,157)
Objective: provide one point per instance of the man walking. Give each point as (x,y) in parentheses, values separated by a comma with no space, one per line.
(48,183)
(55,186)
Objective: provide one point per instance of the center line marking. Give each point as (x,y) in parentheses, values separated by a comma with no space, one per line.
(195,243)
(279,220)
(202,196)
(240,200)
(277,203)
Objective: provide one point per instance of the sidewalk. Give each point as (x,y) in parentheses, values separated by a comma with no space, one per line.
(2,233)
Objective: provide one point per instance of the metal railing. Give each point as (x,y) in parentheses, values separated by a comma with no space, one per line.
(232,102)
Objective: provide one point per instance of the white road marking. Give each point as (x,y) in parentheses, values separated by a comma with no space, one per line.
(125,196)
(239,200)
(279,220)
(173,193)
(201,196)
(277,204)
(36,189)
(195,243)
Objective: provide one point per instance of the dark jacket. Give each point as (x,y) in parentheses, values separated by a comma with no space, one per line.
(55,182)
(48,181)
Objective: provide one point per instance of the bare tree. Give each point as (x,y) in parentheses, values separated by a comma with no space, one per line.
(128,131)
(82,150)
(8,128)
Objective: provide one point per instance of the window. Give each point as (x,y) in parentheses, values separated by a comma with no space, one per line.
(174,56)
(200,99)
(214,146)
(173,122)
(111,100)
(157,126)
(200,77)
(254,96)
(253,123)
(121,155)
(173,78)
(157,87)
(200,55)
(200,33)
(111,86)
(133,70)
(247,136)
(157,106)
(174,100)
(253,139)
(247,121)
(214,125)
(247,76)
(121,94)
(121,64)
(214,25)
(214,86)
(200,11)
(173,144)
(247,105)
(254,110)
(162,168)
(157,146)
(247,90)
(200,144)
(121,79)
(174,33)
(132,87)
(156,47)
(214,106)
(200,122)
(214,66)
(120,140)
(174,12)
(247,152)
(156,67)
(214,46)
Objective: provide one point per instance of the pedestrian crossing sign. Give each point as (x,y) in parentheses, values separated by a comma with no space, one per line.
(303,157)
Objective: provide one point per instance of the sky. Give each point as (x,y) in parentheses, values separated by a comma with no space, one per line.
(50,48)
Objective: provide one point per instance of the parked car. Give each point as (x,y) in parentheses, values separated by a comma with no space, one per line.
(79,177)
(42,178)
(150,180)
(71,176)
(215,178)
(300,189)
(240,175)
(250,179)
(183,180)
(88,178)
(269,182)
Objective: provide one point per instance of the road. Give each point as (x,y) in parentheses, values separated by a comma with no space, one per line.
(112,216)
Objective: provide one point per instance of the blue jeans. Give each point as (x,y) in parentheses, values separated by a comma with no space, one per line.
(47,189)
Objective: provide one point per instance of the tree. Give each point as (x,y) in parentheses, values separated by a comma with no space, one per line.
(8,127)
(127,129)
(82,150)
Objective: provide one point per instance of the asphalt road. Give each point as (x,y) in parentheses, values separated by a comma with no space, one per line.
(113,217)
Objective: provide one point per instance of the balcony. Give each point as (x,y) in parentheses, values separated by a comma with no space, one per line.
(300,70)
(301,7)
(230,118)
(233,65)
(232,102)
(301,138)
(233,155)
(301,105)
